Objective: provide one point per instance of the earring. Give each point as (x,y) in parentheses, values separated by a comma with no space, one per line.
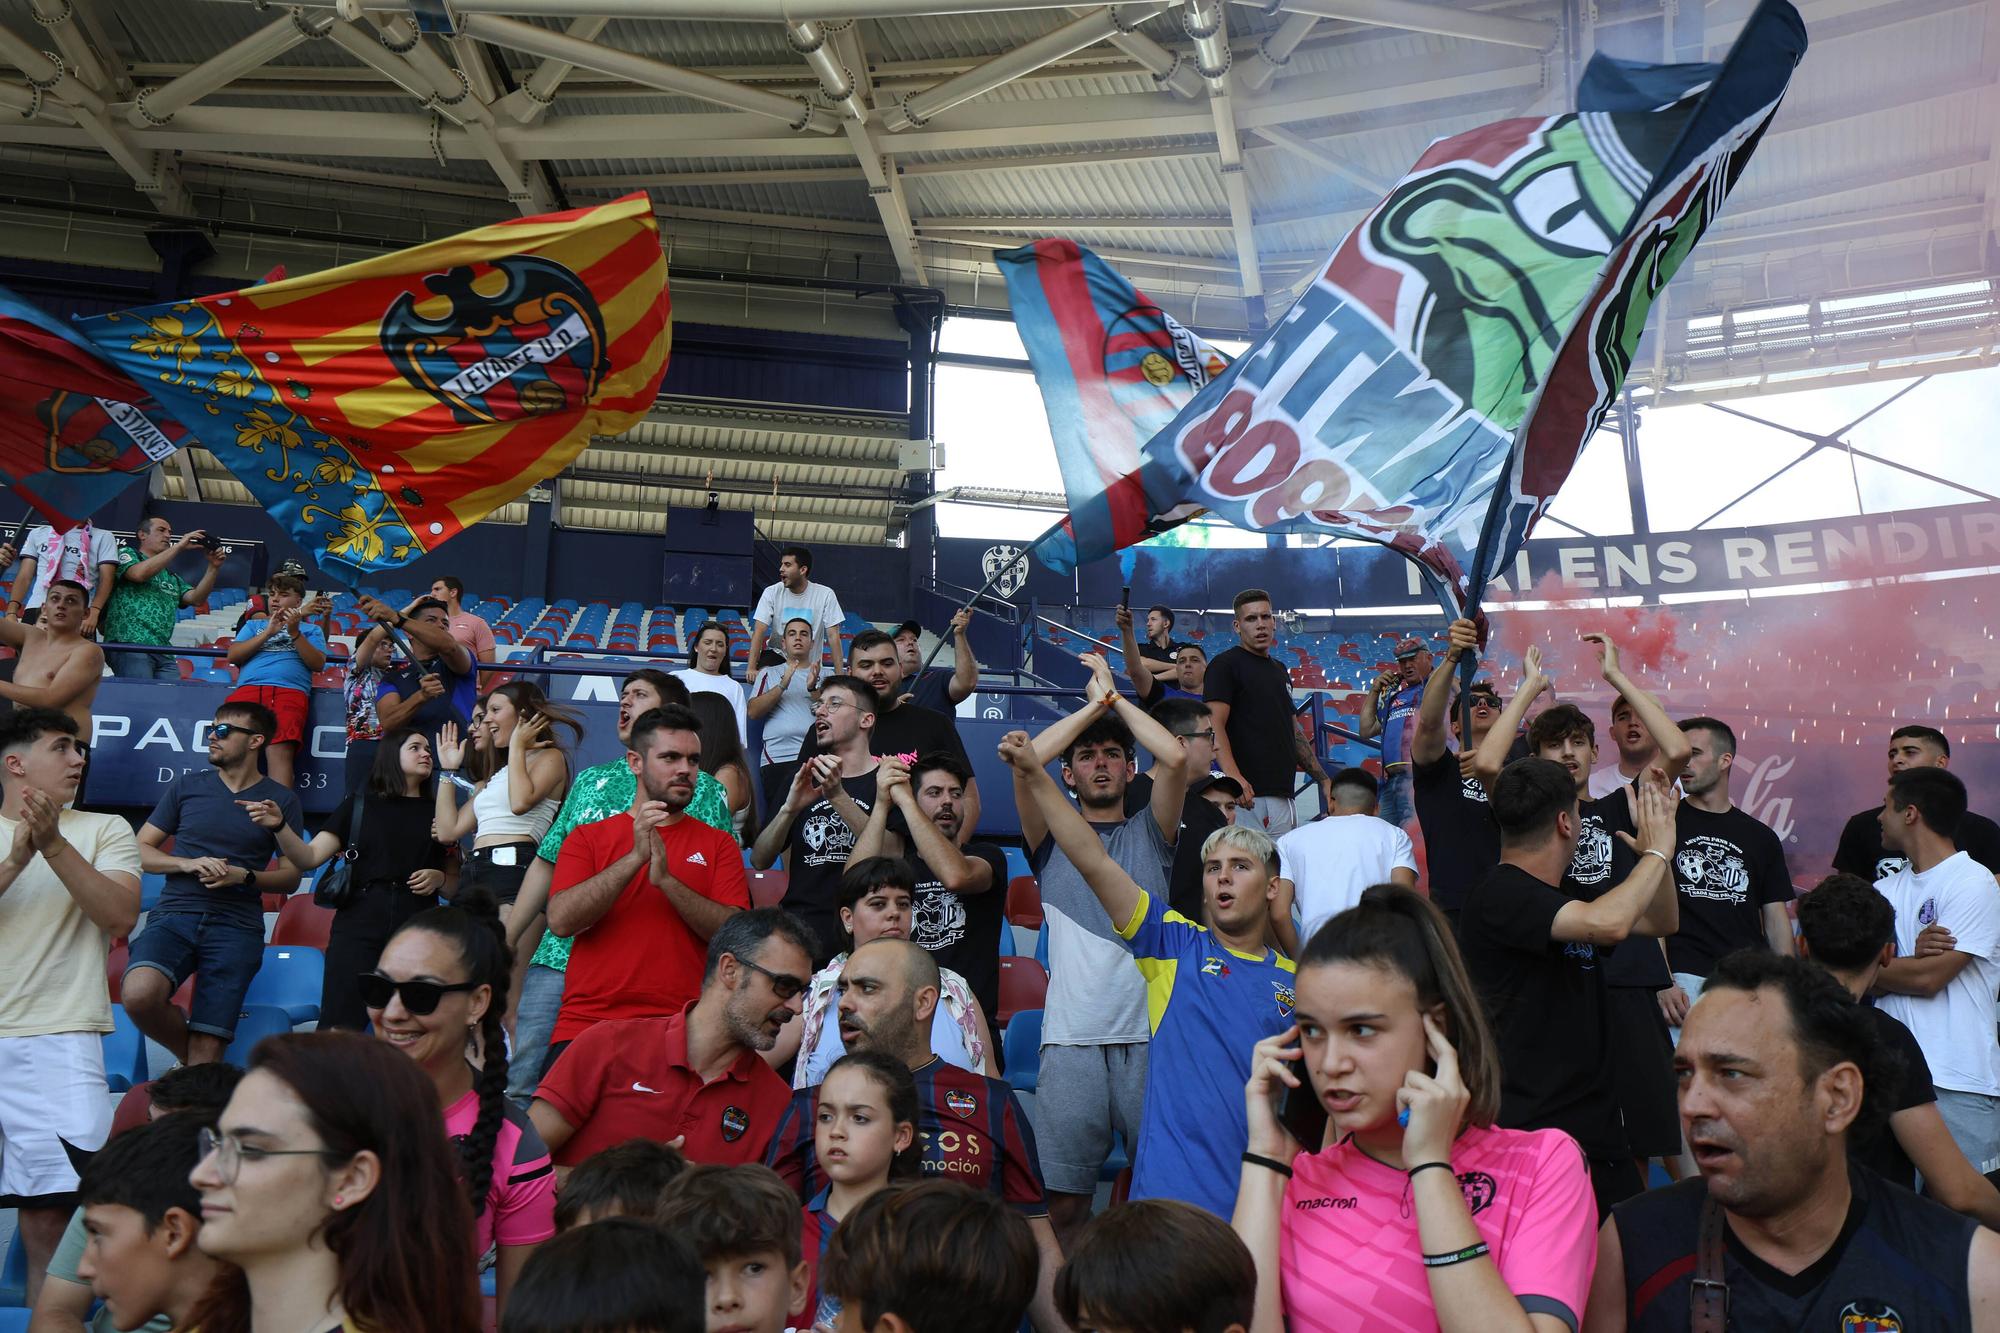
(339,1199)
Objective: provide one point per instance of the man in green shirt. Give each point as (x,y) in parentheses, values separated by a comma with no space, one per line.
(148,597)
(597,793)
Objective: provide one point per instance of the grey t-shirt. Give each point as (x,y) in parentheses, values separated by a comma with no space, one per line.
(204,818)
(1096,995)
(786,726)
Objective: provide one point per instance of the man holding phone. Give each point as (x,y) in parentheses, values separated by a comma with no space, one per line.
(148,597)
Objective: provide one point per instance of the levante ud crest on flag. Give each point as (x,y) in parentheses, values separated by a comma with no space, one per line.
(534,346)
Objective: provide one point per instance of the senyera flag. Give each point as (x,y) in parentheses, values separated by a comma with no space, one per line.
(1113,369)
(377,409)
(1433,386)
(74,429)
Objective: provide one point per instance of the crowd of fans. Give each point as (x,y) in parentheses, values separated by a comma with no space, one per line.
(1408,1064)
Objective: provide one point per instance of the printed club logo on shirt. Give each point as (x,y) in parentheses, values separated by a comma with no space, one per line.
(1591,863)
(961,1104)
(1713,869)
(734,1121)
(1868,1316)
(1927,914)
(1479,1189)
(1287,1001)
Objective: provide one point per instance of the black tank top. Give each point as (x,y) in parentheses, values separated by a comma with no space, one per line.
(1898,1264)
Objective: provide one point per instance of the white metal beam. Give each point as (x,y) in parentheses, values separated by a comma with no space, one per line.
(157,105)
(151,172)
(1279,137)
(885,189)
(537,92)
(1081,220)
(1442,20)
(1274,52)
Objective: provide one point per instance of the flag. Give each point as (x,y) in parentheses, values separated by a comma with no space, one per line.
(1432,387)
(74,430)
(377,409)
(1113,369)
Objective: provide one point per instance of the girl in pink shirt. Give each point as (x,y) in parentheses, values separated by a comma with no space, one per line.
(1411,1210)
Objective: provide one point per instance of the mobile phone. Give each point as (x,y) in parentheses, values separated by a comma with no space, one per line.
(1125,598)
(1303,1115)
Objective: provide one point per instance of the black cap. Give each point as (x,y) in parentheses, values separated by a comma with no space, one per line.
(907,627)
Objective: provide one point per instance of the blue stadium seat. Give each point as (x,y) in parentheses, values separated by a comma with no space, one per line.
(14,1285)
(14,1318)
(151,886)
(1021,1050)
(124,1052)
(256,1022)
(1017,862)
(289,979)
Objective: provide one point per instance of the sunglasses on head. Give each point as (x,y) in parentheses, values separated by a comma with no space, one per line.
(419,997)
(222,731)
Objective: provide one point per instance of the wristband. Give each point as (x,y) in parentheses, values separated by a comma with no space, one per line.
(1451,1257)
(1654,851)
(1268,1163)
(1426,1166)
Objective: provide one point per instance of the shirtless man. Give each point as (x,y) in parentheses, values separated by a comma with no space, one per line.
(58,667)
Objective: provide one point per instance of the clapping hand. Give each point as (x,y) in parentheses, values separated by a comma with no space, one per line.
(1657,805)
(1608,652)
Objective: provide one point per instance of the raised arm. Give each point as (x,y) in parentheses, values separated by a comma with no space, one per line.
(1491,756)
(965,662)
(1079,842)
(435,637)
(1427,741)
(1258,1219)
(242,650)
(1644,902)
(1143,681)
(304,856)
(142,571)
(80,670)
(198,594)
(1169,756)
(873,838)
(955,870)
(450,821)
(533,774)
(807,782)
(1673,742)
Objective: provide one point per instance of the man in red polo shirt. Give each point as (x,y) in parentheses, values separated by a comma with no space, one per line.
(693,1078)
(643,892)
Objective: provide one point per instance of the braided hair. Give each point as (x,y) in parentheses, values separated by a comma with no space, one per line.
(471,924)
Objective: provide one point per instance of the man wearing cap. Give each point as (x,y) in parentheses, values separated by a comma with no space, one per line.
(938,689)
(1405,689)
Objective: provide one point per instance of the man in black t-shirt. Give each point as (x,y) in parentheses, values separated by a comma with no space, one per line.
(1849,929)
(1461,841)
(937,689)
(1532,952)
(959,895)
(1861,852)
(901,727)
(1774,1061)
(825,809)
(1257,741)
(1729,870)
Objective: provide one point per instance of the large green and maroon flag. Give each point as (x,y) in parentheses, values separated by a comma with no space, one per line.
(1432,388)
(379,408)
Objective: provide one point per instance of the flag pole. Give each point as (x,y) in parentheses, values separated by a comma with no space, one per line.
(987,587)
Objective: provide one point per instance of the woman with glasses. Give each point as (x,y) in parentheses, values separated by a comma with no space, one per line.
(707,672)
(511,809)
(396,869)
(437,995)
(334,1201)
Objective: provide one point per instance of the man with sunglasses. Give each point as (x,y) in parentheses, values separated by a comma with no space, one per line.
(695,1078)
(640,894)
(1461,841)
(209,923)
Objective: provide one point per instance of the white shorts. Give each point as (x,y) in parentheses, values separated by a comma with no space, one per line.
(52,1092)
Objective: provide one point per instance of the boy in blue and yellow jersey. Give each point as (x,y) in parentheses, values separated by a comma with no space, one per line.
(1212,991)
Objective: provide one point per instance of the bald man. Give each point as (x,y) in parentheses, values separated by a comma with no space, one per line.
(971,1128)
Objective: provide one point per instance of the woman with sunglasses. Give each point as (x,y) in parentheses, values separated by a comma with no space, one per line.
(333,1201)
(514,807)
(707,672)
(437,995)
(397,870)
(1444,1220)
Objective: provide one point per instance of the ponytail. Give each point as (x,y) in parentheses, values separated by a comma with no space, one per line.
(1401,930)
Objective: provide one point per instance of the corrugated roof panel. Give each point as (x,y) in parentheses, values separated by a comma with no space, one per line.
(1137,187)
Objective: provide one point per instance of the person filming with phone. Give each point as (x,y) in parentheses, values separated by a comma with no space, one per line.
(148,596)
(1376,1191)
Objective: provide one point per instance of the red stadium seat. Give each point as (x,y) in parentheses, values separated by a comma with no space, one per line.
(767,887)
(1024,902)
(114,968)
(303,921)
(133,1108)
(1024,984)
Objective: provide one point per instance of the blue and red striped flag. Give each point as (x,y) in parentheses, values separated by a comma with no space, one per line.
(1433,386)
(75,430)
(1113,369)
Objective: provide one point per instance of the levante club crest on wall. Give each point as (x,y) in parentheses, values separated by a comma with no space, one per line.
(534,346)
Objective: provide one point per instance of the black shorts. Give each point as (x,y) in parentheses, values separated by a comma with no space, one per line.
(1642,1070)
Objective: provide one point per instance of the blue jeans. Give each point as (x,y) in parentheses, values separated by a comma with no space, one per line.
(144,666)
(534,1023)
(1397,806)
(222,951)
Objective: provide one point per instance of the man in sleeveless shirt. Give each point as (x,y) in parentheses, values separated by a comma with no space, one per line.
(1781,1230)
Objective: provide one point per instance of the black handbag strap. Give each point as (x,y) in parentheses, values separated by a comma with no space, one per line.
(348,850)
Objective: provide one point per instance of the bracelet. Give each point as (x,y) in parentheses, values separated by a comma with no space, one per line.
(1654,851)
(1456,1256)
(1269,1164)
(1426,1166)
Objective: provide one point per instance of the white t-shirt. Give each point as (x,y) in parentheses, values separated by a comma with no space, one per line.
(52,959)
(817,603)
(787,725)
(1330,861)
(1955,1026)
(76,555)
(728,687)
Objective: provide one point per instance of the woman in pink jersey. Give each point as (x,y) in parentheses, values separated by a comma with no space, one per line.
(437,995)
(1410,1210)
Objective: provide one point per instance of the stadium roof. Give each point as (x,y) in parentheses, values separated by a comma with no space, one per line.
(1215,151)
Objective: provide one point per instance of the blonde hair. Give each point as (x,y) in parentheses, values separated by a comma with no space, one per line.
(1244,839)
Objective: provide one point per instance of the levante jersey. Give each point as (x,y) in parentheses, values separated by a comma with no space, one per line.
(971,1128)
(1208,1006)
